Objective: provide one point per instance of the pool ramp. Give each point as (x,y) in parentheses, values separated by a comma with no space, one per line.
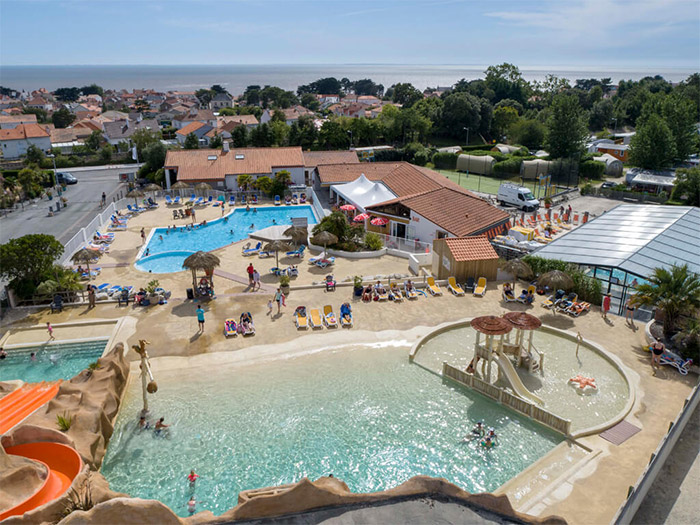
(19,404)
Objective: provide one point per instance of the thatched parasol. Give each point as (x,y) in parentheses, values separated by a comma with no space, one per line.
(297,233)
(522,320)
(555,280)
(135,194)
(152,187)
(277,246)
(491,325)
(201,261)
(518,268)
(83,256)
(179,185)
(324,238)
(203,186)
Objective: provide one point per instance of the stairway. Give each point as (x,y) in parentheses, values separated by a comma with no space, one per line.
(21,403)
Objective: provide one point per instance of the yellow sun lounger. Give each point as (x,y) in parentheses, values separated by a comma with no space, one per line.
(329,316)
(453,287)
(433,288)
(480,289)
(411,294)
(315,318)
(300,318)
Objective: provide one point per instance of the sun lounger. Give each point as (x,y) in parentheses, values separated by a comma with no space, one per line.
(287,200)
(381,294)
(453,287)
(480,288)
(680,364)
(254,199)
(210,199)
(252,251)
(243,200)
(116,227)
(329,317)
(250,330)
(102,287)
(182,213)
(199,201)
(168,200)
(292,271)
(301,320)
(113,289)
(299,252)
(323,263)
(232,200)
(578,308)
(395,293)
(277,200)
(411,292)
(264,255)
(315,318)
(346,315)
(509,297)
(135,209)
(522,298)
(295,199)
(302,199)
(469,285)
(192,198)
(565,303)
(433,288)
(230,328)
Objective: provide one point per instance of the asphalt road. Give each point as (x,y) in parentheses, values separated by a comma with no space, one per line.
(83,204)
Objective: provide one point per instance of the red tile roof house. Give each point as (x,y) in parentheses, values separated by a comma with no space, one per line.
(12,121)
(15,142)
(426,206)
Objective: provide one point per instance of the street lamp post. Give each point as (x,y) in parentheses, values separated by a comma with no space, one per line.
(350,133)
(614,126)
(467,130)
(55,178)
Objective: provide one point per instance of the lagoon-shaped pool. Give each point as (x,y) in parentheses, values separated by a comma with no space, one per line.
(362,413)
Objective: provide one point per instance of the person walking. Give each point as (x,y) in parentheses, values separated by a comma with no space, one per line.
(143,236)
(256,280)
(91,296)
(657,350)
(104,199)
(629,311)
(49,329)
(568,213)
(279,298)
(251,271)
(194,216)
(200,318)
(606,305)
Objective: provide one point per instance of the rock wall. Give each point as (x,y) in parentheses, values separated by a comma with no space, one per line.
(18,477)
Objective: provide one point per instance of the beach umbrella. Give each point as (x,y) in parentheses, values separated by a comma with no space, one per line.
(135,194)
(362,217)
(555,280)
(277,246)
(201,261)
(153,187)
(83,256)
(347,207)
(324,238)
(297,233)
(518,268)
(523,320)
(203,186)
(491,325)
(379,221)
(179,185)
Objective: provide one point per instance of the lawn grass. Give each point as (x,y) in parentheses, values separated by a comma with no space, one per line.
(482,183)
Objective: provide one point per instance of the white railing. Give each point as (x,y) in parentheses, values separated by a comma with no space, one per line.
(405,245)
(316,204)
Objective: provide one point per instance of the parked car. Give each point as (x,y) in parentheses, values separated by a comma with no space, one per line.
(66,178)
(607,185)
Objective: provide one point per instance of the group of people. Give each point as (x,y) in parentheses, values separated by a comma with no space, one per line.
(374,292)
(487,438)
(253,278)
(159,427)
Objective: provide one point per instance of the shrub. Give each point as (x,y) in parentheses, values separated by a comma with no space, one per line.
(586,189)
(152,285)
(421,158)
(284,280)
(512,165)
(64,422)
(592,169)
(373,241)
(445,161)
(587,288)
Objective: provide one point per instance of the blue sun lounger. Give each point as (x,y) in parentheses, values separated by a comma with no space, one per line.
(252,251)
(232,200)
(193,197)
(177,200)
(168,200)
(297,253)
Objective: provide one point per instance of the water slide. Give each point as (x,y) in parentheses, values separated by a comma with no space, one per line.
(17,405)
(514,379)
(63,464)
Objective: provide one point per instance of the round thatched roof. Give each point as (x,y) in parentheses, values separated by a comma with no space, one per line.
(324,237)
(491,325)
(135,193)
(518,268)
(201,261)
(203,186)
(152,187)
(179,185)
(277,246)
(556,279)
(523,320)
(83,256)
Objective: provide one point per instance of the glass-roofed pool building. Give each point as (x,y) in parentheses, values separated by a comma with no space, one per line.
(622,247)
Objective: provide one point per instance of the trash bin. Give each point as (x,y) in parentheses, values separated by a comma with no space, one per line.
(190,293)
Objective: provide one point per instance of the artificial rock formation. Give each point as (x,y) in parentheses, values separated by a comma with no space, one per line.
(18,477)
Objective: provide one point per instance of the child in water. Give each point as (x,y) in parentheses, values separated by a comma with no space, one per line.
(477,431)
(192,478)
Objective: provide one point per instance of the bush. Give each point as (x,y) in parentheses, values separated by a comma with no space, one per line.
(388,155)
(592,169)
(586,189)
(512,165)
(373,242)
(64,422)
(587,288)
(445,161)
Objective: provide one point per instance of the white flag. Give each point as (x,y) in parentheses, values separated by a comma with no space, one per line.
(134,154)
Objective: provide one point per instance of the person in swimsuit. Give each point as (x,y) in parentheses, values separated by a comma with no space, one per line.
(657,350)
(477,431)
(629,311)
(492,436)
(192,478)
(160,426)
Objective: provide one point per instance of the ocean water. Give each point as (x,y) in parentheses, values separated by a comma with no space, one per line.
(235,78)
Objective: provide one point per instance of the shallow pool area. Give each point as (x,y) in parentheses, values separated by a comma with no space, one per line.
(362,413)
(456,347)
(175,245)
(53,361)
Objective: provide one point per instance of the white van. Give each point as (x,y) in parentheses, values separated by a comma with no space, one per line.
(517,196)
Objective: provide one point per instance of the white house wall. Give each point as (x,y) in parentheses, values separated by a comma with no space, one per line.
(424,230)
(11,149)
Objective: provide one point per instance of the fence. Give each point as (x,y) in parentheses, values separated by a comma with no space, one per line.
(637,493)
(630,196)
(502,396)
(405,245)
(316,204)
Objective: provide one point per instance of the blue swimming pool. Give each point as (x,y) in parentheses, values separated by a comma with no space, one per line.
(167,249)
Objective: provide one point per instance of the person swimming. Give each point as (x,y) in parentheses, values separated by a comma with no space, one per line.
(192,478)
(491,435)
(487,442)
(161,427)
(32,356)
(143,424)
(252,226)
(53,358)
(274,221)
(477,431)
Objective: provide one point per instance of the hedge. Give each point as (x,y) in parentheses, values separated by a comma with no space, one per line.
(592,169)
(511,165)
(445,161)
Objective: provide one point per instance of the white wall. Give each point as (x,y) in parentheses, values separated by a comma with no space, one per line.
(11,149)
(425,230)
(297,174)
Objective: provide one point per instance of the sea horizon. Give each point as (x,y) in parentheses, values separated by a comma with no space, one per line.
(235,77)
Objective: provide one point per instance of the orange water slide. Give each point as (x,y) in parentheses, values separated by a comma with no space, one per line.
(17,405)
(63,464)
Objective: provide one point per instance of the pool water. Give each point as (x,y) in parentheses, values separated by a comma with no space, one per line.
(220,232)
(456,347)
(364,414)
(53,361)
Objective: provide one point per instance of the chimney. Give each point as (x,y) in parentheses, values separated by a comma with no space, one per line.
(226,147)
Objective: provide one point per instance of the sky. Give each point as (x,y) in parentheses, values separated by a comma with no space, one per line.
(565,33)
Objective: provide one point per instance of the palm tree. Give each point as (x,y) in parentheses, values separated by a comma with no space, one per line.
(244,181)
(675,292)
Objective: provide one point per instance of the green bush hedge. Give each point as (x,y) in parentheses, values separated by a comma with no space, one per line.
(592,169)
(445,161)
(511,165)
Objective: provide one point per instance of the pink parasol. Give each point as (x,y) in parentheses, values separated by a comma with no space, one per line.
(347,207)
(362,217)
(379,221)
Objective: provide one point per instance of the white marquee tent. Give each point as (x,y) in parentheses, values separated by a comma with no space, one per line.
(362,192)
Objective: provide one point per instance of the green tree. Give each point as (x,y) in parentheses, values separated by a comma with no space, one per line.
(92,89)
(430,108)
(204,96)
(34,154)
(30,180)
(309,101)
(506,81)
(280,131)
(675,292)
(106,152)
(529,133)
(503,118)
(405,94)
(566,127)
(153,157)
(141,138)
(337,224)
(142,106)
(216,142)
(509,102)
(239,135)
(41,114)
(280,183)
(262,137)
(322,86)
(333,136)
(601,115)
(93,141)
(67,94)
(303,132)
(62,118)
(689,89)
(263,184)
(191,141)
(244,181)
(29,257)
(652,147)
(686,188)
(679,114)
(461,110)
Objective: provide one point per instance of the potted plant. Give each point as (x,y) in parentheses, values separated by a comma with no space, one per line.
(64,201)
(49,194)
(357,285)
(547,202)
(152,286)
(284,284)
